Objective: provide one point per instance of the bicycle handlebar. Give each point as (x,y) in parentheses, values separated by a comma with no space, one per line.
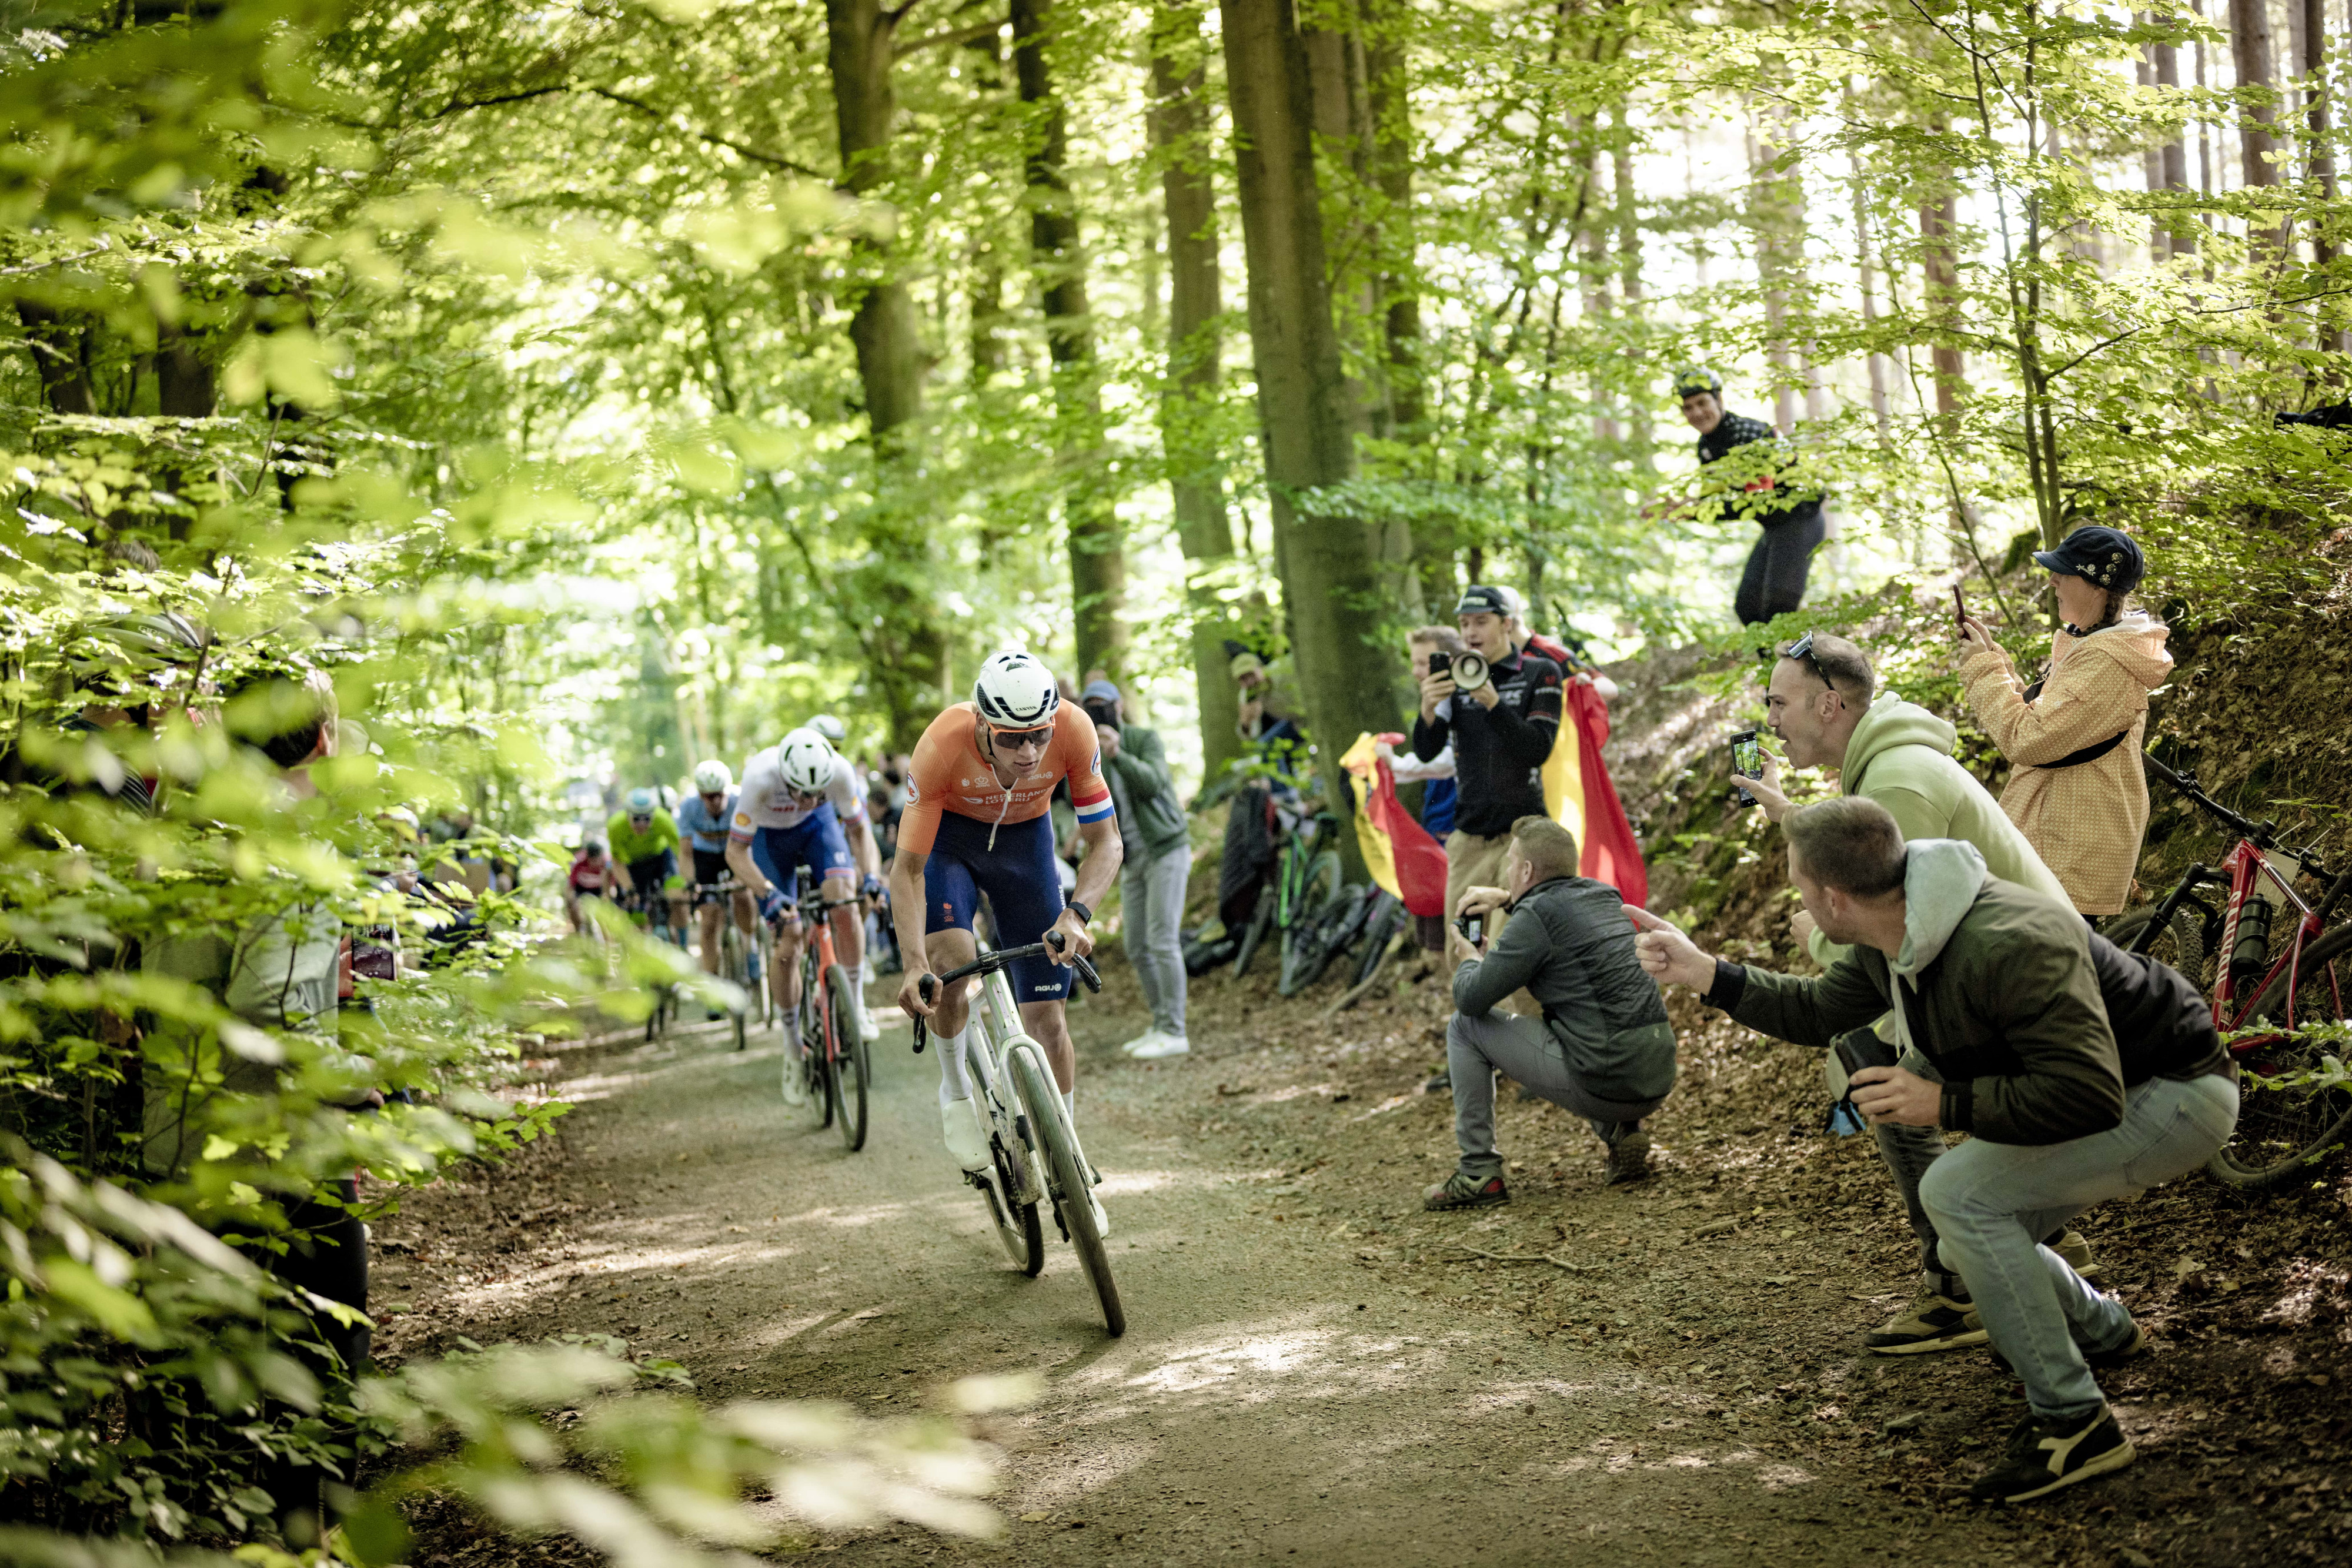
(2264,834)
(989,963)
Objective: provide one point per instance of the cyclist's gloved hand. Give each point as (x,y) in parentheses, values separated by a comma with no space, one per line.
(772,908)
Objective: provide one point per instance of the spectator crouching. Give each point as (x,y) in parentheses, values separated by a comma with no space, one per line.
(1602,1047)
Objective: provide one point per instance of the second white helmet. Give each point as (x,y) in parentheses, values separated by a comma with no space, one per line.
(805,761)
(711,777)
(1016,691)
(832,729)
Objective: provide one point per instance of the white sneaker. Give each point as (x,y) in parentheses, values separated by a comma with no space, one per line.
(1134,1047)
(866,1026)
(965,1145)
(795,1081)
(1165,1045)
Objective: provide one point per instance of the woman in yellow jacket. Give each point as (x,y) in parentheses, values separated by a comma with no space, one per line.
(2076,788)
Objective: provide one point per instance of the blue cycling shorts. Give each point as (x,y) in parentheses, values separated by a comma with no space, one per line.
(1023,887)
(818,843)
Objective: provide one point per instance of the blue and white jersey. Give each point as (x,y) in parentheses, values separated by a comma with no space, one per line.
(707,830)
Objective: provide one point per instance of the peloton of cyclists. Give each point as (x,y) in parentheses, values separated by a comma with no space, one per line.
(645,854)
(800,805)
(704,817)
(976,822)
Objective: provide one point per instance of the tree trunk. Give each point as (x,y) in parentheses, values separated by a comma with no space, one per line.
(60,350)
(1352,678)
(1179,124)
(1881,411)
(2173,235)
(1098,547)
(1775,223)
(2250,44)
(906,653)
(1432,588)
(1938,221)
(2322,161)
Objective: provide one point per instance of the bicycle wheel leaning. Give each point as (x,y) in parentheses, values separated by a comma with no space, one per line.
(1390,917)
(1305,946)
(851,1064)
(2283,1131)
(1068,1185)
(2181,946)
(1260,920)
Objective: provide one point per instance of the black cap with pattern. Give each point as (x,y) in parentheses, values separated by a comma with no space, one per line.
(1479,599)
(2107,558)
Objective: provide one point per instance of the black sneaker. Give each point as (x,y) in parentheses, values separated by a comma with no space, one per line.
(1462,1190)
(2097,1360)
(1440,1082)
(2047,1452)
(1933,1321)
(1629,1158)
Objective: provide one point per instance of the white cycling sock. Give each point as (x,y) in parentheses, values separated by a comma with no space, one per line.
(953,1083)
(1070,1109)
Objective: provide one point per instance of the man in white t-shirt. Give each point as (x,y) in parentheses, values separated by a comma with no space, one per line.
(800,805)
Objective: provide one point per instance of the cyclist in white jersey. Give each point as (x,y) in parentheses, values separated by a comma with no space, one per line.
(800,805)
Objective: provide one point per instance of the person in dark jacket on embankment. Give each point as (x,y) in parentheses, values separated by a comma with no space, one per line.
(2080,1072)
(1602,1049)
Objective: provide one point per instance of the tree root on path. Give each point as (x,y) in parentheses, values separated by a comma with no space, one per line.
(1528,1258)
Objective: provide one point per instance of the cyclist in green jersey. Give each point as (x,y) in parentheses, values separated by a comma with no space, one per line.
(644,852)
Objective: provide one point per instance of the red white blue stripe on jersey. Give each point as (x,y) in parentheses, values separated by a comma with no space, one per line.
(1094,810)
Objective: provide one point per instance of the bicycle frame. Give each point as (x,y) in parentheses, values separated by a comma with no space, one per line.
(819,954)
(991,1073)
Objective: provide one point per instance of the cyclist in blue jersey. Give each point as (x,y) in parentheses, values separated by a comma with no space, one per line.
(703,817)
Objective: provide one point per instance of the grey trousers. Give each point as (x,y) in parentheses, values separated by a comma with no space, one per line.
(1151,894)
(1990,1201)
(1908,1152)
(1525,1049)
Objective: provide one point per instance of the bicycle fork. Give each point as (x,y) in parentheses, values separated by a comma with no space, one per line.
(1008,1132)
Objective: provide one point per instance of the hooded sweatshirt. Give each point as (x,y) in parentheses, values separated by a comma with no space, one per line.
(2011,996)
(2086,821)
(1900,756)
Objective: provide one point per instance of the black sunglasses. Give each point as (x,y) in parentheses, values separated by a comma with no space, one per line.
(1038,736)
(1802,650)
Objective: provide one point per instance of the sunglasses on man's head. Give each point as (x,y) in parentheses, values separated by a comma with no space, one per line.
(1023,736)
(1802,650)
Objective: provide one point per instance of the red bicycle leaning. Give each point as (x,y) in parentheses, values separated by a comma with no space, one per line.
(2278,995)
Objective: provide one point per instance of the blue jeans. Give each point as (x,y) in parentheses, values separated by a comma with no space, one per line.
(1989,1201)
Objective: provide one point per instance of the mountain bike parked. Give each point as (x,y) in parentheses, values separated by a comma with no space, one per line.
(738,957)
(1033,1154)
(1305,882)
(1358,916)
(826,1049)
(2275,992)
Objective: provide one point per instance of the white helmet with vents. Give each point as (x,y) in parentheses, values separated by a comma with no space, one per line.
(1017,691)
(805,761)
(832,729)
(711,778)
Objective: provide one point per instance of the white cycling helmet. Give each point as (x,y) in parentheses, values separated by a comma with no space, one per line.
(711,778)
(641,802)
(805,761)
(825,724)
(1016,691)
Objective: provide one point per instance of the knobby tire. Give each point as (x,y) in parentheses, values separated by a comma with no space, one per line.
(1076,1215)
(1305,946)
(1018,1226)
(2281,1133)
(852,1065)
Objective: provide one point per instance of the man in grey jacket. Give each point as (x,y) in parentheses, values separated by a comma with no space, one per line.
(1159,861)
(2080,1072)
(1602,1049)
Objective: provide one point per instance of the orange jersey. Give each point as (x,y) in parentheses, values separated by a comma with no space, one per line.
(950,775)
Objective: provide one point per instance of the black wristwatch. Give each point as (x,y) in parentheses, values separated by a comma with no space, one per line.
(1080,910)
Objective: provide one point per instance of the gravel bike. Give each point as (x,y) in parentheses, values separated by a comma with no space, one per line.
(1305,883)
(826,1049)
(1345,924)
(2275,993)
(1033,1152)
(738,957)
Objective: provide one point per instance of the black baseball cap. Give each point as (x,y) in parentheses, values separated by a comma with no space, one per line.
(1693,379)
(2107,558)
(1479,599)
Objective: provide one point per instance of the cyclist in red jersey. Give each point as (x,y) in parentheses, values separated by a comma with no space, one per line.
(976,821)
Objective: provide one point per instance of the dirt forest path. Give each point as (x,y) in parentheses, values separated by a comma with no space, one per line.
(1276,1398)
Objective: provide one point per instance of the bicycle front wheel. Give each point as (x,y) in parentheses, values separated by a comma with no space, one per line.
(1017,1225)
(2283,1132)
(1069,1186)
(850,1061)
(2181,946)
(1389,919)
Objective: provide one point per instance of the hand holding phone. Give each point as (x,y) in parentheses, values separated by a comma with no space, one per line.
(1959,610)
(1747,762)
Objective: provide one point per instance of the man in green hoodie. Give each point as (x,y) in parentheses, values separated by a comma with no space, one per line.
(1823,704)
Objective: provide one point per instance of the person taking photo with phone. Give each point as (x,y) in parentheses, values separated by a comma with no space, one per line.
(1822,705)
(2080,1072)
(2073,739)
(1602,1049)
